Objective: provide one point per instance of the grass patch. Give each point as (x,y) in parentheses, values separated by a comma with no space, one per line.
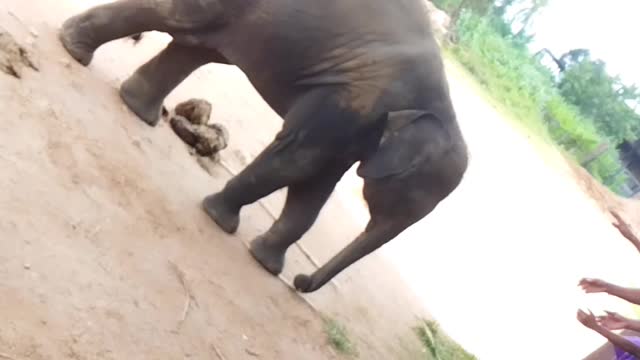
(533,128)
(338,338)
(437,345)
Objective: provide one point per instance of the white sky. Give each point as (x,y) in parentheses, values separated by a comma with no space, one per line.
(610,29)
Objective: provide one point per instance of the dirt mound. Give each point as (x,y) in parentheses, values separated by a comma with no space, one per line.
(13,56)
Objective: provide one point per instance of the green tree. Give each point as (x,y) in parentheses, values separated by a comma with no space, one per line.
(602,97)
(525,15)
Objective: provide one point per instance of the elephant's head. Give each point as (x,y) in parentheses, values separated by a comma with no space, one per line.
(420,160)
(411,138)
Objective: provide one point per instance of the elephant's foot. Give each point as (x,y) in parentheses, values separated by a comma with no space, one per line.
(135,94)
(270,257)
(303,283)
(227,218)
(76,39)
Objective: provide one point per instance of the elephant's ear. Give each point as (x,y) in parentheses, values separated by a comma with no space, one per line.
(404,144)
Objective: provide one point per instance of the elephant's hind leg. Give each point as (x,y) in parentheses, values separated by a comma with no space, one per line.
(82,34)
(304,202)
(281,164)
(144,91)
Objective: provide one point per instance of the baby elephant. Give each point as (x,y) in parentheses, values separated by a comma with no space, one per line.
(354,81)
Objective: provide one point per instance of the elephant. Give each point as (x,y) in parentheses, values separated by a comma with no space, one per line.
(356,82)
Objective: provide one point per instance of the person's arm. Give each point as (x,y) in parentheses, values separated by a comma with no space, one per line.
(633,325)
(589,320)
(600,286)
(625,230)
(615,321)
(629,294)
(618,340)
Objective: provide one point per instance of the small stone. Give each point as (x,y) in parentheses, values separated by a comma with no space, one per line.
(27,266)
(207,140)
(251,352)
(197,111)
(33,32)
(136,143)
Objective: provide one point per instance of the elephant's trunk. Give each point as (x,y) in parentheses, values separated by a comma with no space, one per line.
(372,238)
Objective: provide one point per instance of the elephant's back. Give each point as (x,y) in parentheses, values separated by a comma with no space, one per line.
(278,43)
(303,32)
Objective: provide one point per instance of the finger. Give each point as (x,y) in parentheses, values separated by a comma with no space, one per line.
(584,283)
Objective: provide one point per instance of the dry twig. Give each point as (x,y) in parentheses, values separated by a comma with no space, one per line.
(189,297)
(218,353)
(7,357)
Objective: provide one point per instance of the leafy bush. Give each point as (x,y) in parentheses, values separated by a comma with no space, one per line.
(516,79)
(570,129)
(505,68)
(446,5)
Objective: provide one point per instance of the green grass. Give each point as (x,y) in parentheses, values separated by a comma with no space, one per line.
(437,345)
(507,76)
(530,126)
(338,338)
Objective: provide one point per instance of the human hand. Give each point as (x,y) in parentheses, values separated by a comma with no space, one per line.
(587,319)
(622,226)
(613,321)
(592,286)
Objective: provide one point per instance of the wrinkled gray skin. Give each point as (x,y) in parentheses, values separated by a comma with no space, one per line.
(354,80)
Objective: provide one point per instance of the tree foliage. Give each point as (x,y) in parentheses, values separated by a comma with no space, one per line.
(586,84)
(582,109)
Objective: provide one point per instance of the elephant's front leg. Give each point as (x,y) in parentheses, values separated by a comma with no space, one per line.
(82,34)
(304,202)
(144,91)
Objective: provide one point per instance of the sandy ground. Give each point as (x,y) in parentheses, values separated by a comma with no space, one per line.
(97,206)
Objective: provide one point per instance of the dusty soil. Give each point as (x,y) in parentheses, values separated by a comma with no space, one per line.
(107,255)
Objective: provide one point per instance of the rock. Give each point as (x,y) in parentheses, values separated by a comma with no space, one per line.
(207,140)
(66,63)
(251,352)
(197,111)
